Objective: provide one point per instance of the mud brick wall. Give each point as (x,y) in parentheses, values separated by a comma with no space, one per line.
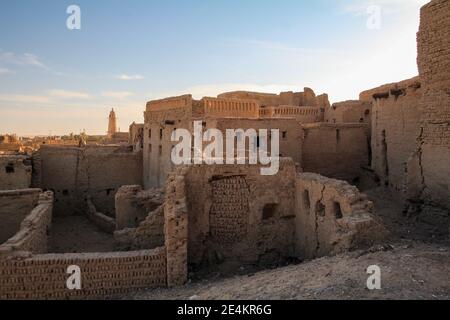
(338,151)
(105,223)
(133,205)
(15,205)
(149,234)
(102,275)
(73,174)
(332,217)
(395,128)
(228,216)
(176,228)
(219,218)
(32,236)
(431,161)
(15,172)
(237,216)
(353,111)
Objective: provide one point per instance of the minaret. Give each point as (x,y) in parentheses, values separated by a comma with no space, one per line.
(112,124)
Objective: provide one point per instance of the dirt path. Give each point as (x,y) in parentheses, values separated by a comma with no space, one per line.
(75,234)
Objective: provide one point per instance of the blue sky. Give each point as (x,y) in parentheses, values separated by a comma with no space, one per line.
(55,80)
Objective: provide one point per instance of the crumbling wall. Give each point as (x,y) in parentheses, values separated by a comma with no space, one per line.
(33,231)
(15,172)
(103,222)
(176,228)
(73,174)
(149,234)
(222,217)
(235,219)
(395,128)
(332,217)
(431,161)
(102,274)
(133,205)
(15,205)
(339,151)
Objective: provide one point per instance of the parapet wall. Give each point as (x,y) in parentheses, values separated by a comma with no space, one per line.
(32,235)
(305,98)
(301,114)
(236,108)
(102,274)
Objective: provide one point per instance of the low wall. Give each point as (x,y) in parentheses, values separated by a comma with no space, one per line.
(332,217)
(32,235)
(102,275)
(15,205)
(133,205)
(149,234)
(105,223)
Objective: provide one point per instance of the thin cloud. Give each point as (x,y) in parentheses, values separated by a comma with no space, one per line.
(4,71)
(26,59)
(126,77)
(65,94)
(117,94)
(23,98)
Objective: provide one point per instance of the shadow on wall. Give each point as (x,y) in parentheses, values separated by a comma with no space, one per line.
(228,217)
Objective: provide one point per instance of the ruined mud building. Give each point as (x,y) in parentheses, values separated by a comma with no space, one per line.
(168,221)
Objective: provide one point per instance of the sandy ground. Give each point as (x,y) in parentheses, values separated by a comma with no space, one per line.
(414,262)
(410,271)
(75,234)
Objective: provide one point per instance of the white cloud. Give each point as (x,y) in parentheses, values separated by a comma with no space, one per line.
(126,77)
(65,94)
(117,94)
